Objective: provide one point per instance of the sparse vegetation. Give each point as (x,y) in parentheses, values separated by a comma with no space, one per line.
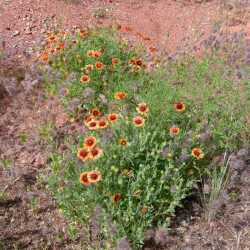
(151,134)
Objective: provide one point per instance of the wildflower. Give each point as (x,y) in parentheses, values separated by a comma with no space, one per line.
(94,176)
(92,125)
(102,124)
(45,57)
(116,198)
(115,61)
(180,107)
(142,108)
(174,131)
(52,39)
(138,121)
(85,79)
(95,153)
(83,154)
(95,112)
(89,67)
(90,53)
(83,33)
(123,142)
(74,41)
(90,142)
(88,119)
(113,117)
(197,153)
(120,95)
(84,179)
(99,65)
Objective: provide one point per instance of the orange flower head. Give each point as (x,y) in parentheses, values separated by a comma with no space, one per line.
(90,142)
(45,57)
(52,39)
(83,33)
(102,124)
(84,179)
(115,61)
(83,154)
(99,65)
(142,108)
(89,67)
(88,119)
(95,153)
(85,79)
(116,198)
(97,53)
(113,117)
(123,142)
(120,95)
(197,153)
(95,112)
(139,62)
(138,121)
(174,131)
(92,125)
(94,176)
(180,107)
(90,53)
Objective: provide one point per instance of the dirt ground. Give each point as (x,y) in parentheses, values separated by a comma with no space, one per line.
(29,217)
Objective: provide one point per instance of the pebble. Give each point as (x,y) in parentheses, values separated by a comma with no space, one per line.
(16,33)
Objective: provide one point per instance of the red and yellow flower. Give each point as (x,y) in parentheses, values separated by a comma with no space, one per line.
(116,198)
(142,108)
(95,112)
(90,142)
(115,61)
(94,176)
(174,131)
(113,117)
(89,67)
(138,121)
(120,95)
(83,154)
(85,79)
(99,65)
(92,125)
(197,153)
(96,153)
(179,106)
(102,124)
(84,179)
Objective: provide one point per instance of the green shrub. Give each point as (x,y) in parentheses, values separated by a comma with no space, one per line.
(195,113)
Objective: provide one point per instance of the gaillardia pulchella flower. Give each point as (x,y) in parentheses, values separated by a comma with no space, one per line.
(99,65)
(197,153)
(102,124)
(85,79)
(94,176)
(95,153)
(179,106)
(112,117)
(84,179)
(142,108)
(174,131)
(116,198)
(120,95)
(83,154)
(90,142)
(138,121)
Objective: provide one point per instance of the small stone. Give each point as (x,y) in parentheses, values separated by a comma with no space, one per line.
(15,33)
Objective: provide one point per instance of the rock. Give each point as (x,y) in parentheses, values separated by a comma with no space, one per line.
(15,33)
(123,244)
